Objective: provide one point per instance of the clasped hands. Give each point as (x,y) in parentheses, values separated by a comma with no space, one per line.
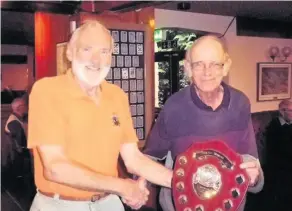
(136,194)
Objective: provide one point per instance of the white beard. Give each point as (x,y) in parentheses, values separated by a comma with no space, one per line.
(88,74)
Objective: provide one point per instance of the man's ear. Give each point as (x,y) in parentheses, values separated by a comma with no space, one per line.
(69,53)
(187,68)
(227,65)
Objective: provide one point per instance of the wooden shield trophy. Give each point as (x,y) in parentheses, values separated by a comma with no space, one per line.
(207,177)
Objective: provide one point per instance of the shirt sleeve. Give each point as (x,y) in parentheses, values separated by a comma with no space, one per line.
(45,121)
(158,143)
(129,133)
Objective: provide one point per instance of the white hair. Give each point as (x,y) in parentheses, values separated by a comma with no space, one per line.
(76,35)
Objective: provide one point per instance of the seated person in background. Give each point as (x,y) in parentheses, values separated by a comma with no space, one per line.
(15,128)
(278,168)
(207,109)
(15,125)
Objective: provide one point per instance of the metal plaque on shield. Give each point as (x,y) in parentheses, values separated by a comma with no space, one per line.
(207,177)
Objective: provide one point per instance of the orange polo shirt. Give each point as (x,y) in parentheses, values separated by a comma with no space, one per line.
(60,113)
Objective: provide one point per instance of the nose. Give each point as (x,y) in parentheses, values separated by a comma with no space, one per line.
(207,70)
(95,58)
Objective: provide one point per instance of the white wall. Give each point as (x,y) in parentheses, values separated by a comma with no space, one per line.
(245,52)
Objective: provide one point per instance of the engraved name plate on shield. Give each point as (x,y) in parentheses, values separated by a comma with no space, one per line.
(207,177)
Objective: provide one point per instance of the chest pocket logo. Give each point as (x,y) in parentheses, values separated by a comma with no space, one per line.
(116,120)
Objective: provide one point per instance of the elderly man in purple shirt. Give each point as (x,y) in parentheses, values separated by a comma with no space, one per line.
(207,109)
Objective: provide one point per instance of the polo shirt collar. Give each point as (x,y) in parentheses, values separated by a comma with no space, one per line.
(283,121)
(199,103)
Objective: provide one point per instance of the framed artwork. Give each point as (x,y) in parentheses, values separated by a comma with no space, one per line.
(63,64)
(273,81)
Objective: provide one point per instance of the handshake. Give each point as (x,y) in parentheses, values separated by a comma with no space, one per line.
(135,193)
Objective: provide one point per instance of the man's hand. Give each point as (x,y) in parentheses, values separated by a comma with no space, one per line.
(253,170)
(135,194)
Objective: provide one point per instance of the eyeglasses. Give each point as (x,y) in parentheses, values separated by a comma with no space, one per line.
(200,66)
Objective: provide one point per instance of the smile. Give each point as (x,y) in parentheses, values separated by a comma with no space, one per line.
(90,68)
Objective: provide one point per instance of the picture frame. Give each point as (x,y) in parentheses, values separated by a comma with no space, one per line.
(63,64)
(273,81)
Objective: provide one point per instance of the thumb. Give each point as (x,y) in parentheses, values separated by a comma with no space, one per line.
(142,182)
(142,185)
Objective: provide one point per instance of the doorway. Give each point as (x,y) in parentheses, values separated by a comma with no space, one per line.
(171,77)
(170,48)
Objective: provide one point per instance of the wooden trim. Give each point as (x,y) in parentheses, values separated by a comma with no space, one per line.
(149,80)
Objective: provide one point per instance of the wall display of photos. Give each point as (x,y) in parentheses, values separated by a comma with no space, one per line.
(127,71)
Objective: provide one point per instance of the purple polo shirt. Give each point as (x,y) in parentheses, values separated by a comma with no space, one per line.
(185,119)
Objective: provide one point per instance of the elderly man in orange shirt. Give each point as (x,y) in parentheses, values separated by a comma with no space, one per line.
(75,137)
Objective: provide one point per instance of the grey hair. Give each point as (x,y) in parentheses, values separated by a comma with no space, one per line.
(16,103)
(284,104)
(76,34)
(196,42)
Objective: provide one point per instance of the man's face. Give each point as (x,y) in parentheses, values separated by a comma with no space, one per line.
(287,112)
(207,65)
(92,58)
(22,109)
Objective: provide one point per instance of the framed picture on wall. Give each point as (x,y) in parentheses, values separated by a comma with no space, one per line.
(273,81)
(62,62)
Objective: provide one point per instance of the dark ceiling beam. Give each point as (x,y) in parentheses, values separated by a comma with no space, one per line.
(135,5)
(53,7)
(100,6)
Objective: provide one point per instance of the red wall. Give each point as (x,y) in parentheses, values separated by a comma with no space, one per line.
(50,29)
